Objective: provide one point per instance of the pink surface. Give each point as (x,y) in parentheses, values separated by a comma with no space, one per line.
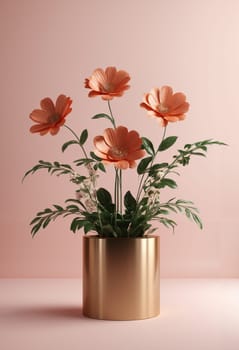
(46,314)
(49,47)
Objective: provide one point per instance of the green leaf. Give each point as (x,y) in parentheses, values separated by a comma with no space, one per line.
(58,207)
(154,169)
(44,162)
(198,154)
(36,219)
(77,224)
(204,148)
(144,201)
(197,220)
(143,165)
(170,207)
(81,161)
(35,229)
(188,213)
(102,115)
(148,146)
(67,144)
(151,230)
(129,201)
(166,182)
(167,143)
(78,179)
(164,211)
(83,137)
(159,166)
(73,208)
(104,197)
(94,156)
(108,230)
(101,167)
(66,166)
(88,227)
(168,222)
(46,222)
(46,211)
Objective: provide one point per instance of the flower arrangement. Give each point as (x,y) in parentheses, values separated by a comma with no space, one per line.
(95,209)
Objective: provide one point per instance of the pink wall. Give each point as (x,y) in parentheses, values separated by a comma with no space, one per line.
(49,47)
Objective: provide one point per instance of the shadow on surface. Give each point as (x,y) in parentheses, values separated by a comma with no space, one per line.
(42,313)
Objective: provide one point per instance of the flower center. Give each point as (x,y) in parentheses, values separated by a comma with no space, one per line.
(54,118)
(109,87)
(117,153)
(162,108)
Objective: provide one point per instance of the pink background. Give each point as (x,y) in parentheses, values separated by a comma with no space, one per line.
(48,48)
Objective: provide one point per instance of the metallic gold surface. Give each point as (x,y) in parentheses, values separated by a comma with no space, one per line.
(121,277)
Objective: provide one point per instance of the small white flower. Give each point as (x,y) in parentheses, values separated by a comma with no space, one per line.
(80,195)
(153,195)
(74,175)
(90,205)
(87,183)
(160,173)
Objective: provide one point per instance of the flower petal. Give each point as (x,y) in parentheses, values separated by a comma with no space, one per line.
(107,97)
(47,105)
(108,84)
(177,99)
(67,108)
(100,144)
(110,73)
(132,163)
(166,93)
(164,105)
(110,137)
(97,80)
(175,118)
(39,128)
(134,142)
(121,133)
(39,116)
(153,98)
(183,108)
(60,104)
(136,154)
(55,130)
(122,164)
(50,118)
(100,155)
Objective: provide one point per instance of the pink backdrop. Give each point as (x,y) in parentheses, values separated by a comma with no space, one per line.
(48,47)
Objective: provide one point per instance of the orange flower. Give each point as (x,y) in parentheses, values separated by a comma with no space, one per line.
(119,147)
(50,117)
(107,84)
(164,104)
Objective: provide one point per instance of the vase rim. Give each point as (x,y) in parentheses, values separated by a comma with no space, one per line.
(126,238)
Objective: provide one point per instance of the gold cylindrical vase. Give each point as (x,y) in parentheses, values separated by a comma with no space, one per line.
(121,277)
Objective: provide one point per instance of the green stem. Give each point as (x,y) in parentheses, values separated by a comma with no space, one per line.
(120,188)
(116,196)
(175,161)
(111,115)
(77,138)
(142,180)
(86,156)
(116,191)
(164,133)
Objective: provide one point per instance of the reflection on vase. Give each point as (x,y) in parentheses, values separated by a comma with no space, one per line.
(121,277)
